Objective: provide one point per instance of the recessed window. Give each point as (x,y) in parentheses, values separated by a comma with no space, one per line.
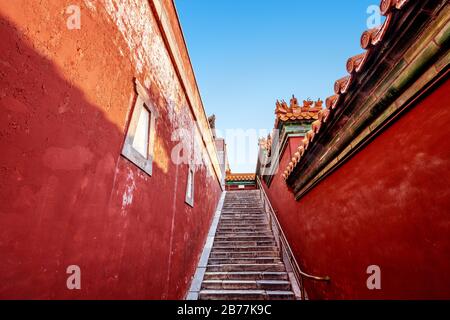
(139,142)
(190,187)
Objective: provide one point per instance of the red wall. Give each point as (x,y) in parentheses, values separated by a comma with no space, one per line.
(67,197)
(389,206)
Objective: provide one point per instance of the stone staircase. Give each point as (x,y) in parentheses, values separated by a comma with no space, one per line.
(245,263)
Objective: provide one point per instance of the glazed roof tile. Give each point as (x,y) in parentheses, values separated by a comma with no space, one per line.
(355,65)
(240,177)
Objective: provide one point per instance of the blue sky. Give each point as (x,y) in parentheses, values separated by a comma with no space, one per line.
(249,53)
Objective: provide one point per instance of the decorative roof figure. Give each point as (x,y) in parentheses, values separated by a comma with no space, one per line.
(212,121)
(294,103)
(308,111)
(212,124)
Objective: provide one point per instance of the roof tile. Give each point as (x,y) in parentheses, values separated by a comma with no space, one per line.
(332,101)
(354,64)
(240,177)
(342,85)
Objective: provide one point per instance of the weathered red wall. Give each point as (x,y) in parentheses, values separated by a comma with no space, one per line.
(66,195)
(389,206)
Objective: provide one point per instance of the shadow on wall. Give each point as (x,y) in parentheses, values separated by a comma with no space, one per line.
(62,181)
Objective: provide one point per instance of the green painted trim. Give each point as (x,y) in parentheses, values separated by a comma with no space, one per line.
(240,183)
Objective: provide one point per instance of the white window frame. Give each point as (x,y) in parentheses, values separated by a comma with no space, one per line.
(128,151)
(190,183)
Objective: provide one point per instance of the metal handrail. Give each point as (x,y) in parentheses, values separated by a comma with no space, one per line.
(284,245)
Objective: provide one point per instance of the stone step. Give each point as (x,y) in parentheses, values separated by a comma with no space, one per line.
(240,197)
(238,217)
(248,275)
(240,214)
(234,237)
(245,204)
(245,295)
(267,267)
(244,226)
(260,217)
(242,194)
(241,230)
(244,234)
(258,260)
(251,203)
(233,223)
(272,285)
(244,229)
(218,248)
(229,243)
(237,254)
(236,207)
(248,202)
(242,210)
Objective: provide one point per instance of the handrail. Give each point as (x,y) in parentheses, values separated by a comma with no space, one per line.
(284,245)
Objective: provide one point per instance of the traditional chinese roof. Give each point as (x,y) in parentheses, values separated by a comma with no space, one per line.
(370,40)
(240,177)
(308,111)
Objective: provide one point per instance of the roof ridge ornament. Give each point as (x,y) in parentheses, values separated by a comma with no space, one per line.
(294,103)
(307,111)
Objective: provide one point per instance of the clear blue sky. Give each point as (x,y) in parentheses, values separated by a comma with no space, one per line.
(249,53)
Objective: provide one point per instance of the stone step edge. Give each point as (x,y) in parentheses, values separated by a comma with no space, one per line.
(247,292)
